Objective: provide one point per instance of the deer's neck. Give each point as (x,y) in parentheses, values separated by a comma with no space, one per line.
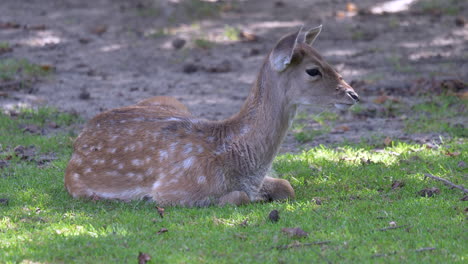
(261,125)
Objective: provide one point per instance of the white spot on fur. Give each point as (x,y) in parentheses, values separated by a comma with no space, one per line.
(200,149)
(188,162)
(132,147)
(76,176)
(111,150)
(114,138)
(114,161)
(163,155)
(120,166)
(137,162)
(149,171)
(148,159)
(112,173)
(123,121)
(88,170)
(173,147)
(130,174)
(173,119)
(76,159)
(201,179)
(245,130)
(156,184)
(210,139)
(188,148)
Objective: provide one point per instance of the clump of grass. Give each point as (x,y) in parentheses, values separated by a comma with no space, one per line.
(197,9)
(231,33)
(439,114)
(449,7)
(345,196)
(304,133)
(22,71)
(203,43)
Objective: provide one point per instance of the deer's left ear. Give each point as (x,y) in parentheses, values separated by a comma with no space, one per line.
(282,53)
(312,34)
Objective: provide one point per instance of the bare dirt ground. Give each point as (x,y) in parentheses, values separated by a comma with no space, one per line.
(111,53)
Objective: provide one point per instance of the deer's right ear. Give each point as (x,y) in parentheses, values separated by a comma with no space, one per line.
(283,52)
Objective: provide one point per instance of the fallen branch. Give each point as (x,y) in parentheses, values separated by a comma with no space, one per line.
(425,249)
(391,227)
(300,245)
(447,182)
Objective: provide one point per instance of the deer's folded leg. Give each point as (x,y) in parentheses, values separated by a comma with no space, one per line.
(234,198)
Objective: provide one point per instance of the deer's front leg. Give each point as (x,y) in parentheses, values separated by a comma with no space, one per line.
(275,189)
(234,198)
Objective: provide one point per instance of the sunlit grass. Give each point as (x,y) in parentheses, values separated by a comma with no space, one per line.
(344,196)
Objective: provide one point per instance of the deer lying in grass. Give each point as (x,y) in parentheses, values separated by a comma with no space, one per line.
(156,149)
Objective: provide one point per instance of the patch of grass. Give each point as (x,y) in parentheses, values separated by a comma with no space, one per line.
(4,45)
(344,196)
(302,130)
(203,43)
(197,9)
(400,66)
(21,71)
(439,114)
(231,33)
(446,7)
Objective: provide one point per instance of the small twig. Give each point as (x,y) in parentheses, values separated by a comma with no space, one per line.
(425,249)
(300,245)
(447,182)
(383,254)
(391,227)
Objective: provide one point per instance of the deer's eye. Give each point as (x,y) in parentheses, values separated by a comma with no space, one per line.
(313,72)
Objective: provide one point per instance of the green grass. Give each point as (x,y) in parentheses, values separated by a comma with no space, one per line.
(439,114)
(203,43)
(22,71)
(42,223)
(231,33)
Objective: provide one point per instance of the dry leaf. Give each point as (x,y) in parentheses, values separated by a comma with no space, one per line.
(381,99)
(295,232)
(160,211)
(397,184)
(429,192)
(274,216)
(387,141)
(351,7)
(452,154)
(143,258)
(247,36)
(162,230)
(99,30)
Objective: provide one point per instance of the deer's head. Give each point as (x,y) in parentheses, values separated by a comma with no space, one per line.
(304,76)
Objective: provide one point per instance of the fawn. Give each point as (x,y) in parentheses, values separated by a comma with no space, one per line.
(156,149)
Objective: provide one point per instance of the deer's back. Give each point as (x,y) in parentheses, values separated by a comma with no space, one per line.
(138,151)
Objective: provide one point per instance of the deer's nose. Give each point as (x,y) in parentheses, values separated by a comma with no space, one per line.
(353,96)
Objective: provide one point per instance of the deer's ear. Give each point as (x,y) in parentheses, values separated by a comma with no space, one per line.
(283,52)
(312,34)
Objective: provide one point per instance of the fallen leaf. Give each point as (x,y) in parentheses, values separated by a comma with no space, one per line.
(274,216)
(47,68)
(162,230)
(143,258)
(9,25)
(381,99)
(25,153)
(397,184)
(295,232)
(461,164)
(247,36)
(317,201)
(30,128)
(429,192)
(387,141)
(99,30)
(452,154)
(4,201)
(351,7)
(3,164)
(463,95)
(160,211)
(244,223)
